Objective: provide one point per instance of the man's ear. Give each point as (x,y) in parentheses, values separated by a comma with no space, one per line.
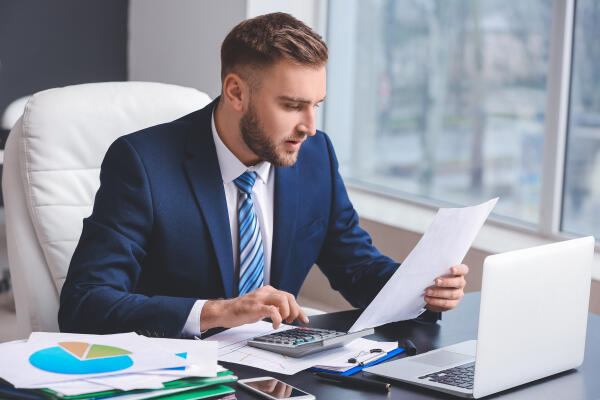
(235,91)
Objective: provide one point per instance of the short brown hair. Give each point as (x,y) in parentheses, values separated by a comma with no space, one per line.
(261,41)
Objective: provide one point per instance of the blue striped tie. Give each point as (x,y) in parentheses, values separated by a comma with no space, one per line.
(250,243)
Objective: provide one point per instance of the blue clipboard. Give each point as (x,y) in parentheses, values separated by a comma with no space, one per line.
(354,370)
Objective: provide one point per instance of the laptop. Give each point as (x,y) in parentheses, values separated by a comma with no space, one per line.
(532,324)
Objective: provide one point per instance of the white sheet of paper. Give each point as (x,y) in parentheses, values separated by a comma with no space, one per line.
(16,368)
(189,371)
(201,354)
(132,381)
(444,244)
(233,338)
(75,388)
(233,348)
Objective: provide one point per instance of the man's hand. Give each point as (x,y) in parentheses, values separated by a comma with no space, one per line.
(264,302)
(448,290)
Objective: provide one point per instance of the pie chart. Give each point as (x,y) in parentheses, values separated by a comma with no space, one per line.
(81,358)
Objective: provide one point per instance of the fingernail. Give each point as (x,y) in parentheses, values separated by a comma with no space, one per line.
(438,282)
(429,292)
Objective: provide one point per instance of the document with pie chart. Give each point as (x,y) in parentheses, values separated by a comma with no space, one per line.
(57,357)
(81,358)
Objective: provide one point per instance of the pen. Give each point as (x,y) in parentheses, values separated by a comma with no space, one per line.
(371,359)
(356,382)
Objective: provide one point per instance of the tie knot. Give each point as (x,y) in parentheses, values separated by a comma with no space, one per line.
(245,181)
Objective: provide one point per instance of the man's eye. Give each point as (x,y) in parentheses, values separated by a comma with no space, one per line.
(293,106)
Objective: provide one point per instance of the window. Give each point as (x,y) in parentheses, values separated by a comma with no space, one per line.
(447,102)
(581,204)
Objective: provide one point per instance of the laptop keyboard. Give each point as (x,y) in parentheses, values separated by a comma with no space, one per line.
(461,376)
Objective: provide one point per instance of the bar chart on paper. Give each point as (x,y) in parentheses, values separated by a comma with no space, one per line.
(81,358)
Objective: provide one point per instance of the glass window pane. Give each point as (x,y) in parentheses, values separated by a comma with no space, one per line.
(581,203)
(441,99)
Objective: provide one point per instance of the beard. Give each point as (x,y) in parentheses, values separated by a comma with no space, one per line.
(257,141)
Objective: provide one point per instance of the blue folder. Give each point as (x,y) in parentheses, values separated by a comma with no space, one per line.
(354,370)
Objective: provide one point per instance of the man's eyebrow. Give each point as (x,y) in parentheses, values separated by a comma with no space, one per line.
(298,99)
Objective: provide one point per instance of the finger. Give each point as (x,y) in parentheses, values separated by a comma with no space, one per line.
(434,308)
(460,269)
(452,293)
(269,311)
(451,282)
(294,308)
(280,300)
(302,316)
(288,391)
(443,304)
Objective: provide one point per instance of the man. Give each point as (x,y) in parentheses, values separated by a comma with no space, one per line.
(214,220)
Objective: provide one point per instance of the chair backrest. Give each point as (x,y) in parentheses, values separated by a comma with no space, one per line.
(51,174)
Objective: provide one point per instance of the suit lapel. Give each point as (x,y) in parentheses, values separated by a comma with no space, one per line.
(204,176)
(284,219)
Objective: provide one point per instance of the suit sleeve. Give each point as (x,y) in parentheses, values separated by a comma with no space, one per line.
(98,294)
(348,258)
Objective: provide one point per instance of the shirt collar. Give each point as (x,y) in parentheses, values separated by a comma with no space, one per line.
(231,167)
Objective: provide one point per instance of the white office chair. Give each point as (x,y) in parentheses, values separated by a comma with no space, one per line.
(13,112)
(51,175)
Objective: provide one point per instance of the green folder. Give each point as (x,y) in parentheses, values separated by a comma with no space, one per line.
(210,391)
(195,385)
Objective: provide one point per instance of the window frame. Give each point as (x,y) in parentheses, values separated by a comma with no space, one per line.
(558,87)
(556,117)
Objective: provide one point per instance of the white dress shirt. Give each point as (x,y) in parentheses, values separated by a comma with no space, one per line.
(262,197)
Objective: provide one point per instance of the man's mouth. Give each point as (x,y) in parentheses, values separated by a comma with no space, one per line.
(296,140)
(294,144)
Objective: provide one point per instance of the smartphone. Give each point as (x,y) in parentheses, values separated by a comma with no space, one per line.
(271,388)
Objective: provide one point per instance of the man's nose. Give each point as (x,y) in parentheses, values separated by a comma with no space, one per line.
(308,124)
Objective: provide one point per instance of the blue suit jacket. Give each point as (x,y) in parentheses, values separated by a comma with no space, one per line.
(158,237)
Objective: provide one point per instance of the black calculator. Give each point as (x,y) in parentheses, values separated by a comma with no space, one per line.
(301,341)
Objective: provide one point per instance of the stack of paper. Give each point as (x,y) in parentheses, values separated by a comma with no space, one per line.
(233,348)
(123,366)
